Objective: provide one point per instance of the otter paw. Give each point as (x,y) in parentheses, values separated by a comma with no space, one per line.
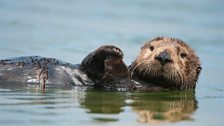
(111,50)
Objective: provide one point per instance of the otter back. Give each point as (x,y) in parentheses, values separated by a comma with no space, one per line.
(43,71)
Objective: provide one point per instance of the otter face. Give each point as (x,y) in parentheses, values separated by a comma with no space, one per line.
(167,62)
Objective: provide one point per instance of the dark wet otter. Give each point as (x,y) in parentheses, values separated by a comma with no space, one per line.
(166,62)
(104,67)
(162,63)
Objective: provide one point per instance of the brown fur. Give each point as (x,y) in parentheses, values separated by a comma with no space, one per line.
(180,72)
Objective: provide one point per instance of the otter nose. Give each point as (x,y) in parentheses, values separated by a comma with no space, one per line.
(163,58)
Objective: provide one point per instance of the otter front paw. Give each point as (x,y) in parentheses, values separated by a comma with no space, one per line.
(109,51)
(98,56)
(105,59)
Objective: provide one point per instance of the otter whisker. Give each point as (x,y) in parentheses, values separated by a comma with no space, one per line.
(177,78)
(136,68)
(148,70)
(152,71)
(181,80)
(173,75)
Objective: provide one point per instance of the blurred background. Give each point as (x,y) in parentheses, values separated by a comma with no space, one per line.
(70,29)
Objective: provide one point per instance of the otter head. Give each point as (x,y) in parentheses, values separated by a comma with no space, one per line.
(105,66)
(167,62)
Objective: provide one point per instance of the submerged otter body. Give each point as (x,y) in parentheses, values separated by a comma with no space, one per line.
(104,66)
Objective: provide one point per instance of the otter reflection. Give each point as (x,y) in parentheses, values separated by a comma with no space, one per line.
(153,108)
(104,102)
(165,106)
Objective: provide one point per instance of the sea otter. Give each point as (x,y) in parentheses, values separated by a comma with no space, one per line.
(163,63)
(104,68)
(166,62)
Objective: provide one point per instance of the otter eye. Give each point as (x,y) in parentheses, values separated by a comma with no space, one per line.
(183,55)
(151,48)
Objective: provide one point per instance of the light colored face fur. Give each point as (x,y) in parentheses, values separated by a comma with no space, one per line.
(180,70)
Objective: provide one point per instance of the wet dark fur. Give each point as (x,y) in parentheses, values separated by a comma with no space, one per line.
(104,66)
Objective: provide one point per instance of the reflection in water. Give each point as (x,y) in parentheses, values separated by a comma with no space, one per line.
(105,105)
(87,104)
(165,106)
(104,102)
(155,107)
(30,106)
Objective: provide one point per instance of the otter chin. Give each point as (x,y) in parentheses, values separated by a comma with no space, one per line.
(168,63)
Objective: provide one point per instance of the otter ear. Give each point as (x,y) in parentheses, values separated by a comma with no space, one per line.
(198,70)
(145,45)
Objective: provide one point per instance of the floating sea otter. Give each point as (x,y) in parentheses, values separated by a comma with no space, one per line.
(162,63)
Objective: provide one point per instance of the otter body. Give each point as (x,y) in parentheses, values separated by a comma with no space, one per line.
(102,68)
(163,63)
(43,71)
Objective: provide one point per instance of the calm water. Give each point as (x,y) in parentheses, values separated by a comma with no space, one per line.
(70,29)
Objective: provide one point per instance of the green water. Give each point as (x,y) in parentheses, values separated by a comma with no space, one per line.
(93,107)
(70,29)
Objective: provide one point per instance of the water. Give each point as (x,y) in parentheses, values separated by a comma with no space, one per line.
(70,29)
